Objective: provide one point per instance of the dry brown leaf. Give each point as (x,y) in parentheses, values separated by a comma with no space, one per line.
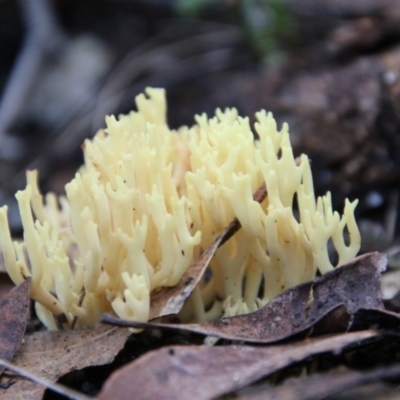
(52,354)
(170,300)
(14,311)
(356,284)
(329,301)
(319,386)
(205,372)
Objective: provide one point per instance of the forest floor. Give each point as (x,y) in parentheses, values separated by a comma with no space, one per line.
(331,69)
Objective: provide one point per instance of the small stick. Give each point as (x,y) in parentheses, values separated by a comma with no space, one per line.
(55,387)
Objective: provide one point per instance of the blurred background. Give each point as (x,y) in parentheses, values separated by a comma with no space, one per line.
(330,68)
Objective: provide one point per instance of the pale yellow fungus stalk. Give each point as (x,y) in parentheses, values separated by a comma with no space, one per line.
(146,203)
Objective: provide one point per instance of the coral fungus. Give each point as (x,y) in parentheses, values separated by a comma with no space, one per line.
(149,199)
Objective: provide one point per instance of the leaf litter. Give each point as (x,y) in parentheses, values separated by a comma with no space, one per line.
(51,354)
(345,299)
(206,372)
(319,386)
(325,305)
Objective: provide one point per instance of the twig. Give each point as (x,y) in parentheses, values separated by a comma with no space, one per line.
(55,387)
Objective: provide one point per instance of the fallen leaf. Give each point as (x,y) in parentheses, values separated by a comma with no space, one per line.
(329,301)
(51,354)
(170,300)
(205,372)
(14,311)
(319,386)
(356,284)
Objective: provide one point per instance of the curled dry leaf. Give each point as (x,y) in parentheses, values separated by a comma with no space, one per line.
(52,354)
(175,372)
(14,311)
(329,301)
(170,300)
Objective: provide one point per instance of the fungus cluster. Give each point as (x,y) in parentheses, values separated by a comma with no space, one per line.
(148,200)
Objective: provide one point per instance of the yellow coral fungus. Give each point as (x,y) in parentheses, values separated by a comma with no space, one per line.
(149,199)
